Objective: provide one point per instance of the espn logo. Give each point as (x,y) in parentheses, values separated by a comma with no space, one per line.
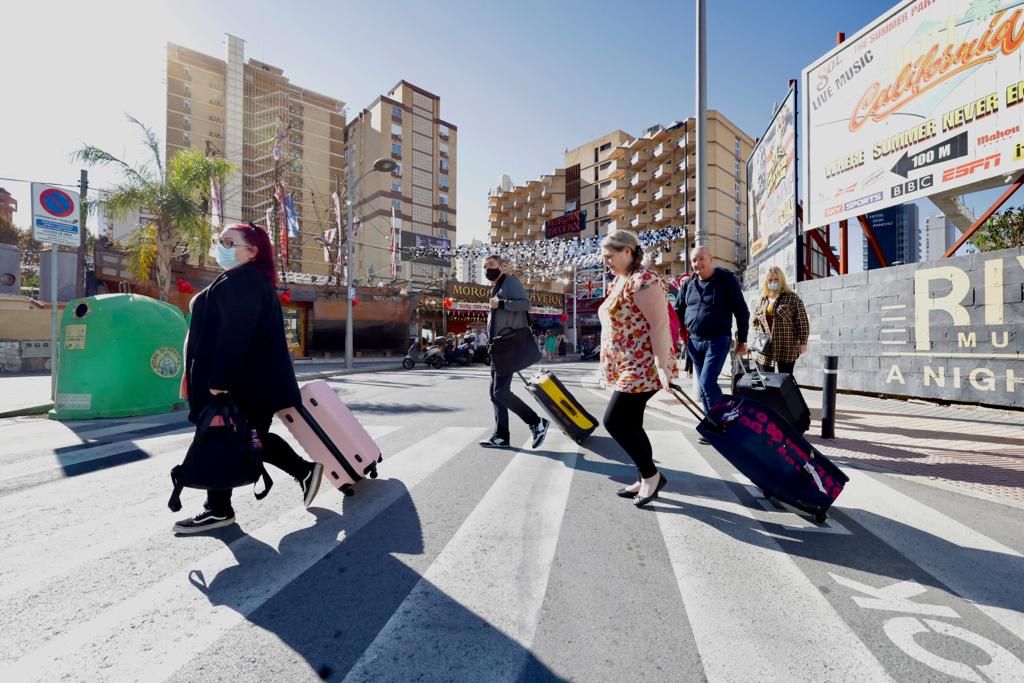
(911,186)
(964,170)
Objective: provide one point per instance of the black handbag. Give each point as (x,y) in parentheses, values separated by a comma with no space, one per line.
(513,350)
(761,343)
(221,457)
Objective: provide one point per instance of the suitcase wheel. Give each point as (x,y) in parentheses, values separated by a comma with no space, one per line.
(380,458)
(373,472)
(820,517)
(348,490)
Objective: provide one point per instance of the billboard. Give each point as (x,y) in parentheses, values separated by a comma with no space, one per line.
(412,240)
(571,224)
(924,100)
(771,181)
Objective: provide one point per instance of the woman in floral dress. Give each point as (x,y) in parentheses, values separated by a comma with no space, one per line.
(636,355)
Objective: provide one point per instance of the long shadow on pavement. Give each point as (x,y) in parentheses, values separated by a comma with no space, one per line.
(333,611)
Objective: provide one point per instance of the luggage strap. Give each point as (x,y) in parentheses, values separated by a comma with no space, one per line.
(326,440)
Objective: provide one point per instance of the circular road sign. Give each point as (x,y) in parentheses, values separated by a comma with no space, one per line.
(56,202)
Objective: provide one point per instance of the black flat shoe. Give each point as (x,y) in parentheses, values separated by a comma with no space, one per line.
(625,493)
(640,502)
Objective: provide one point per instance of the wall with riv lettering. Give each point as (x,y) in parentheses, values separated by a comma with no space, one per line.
(950,330)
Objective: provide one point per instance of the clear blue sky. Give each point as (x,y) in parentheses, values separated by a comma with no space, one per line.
(522,80)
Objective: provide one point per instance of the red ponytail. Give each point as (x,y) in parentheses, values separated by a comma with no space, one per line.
(257,237)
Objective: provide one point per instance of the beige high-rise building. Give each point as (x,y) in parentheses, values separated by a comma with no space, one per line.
(236,109)
(415,203)
(644,183)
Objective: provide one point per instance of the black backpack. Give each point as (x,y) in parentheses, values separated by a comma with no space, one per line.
(221,457)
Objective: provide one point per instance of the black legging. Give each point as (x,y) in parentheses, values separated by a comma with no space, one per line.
(276,451)
(624,420)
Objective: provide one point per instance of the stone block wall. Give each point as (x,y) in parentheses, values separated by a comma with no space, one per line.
(950,330)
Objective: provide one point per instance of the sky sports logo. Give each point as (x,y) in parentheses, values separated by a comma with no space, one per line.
(863,201)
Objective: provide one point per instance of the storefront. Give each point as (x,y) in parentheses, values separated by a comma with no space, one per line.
(469,304)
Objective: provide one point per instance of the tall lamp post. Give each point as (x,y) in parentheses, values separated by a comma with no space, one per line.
(383,166)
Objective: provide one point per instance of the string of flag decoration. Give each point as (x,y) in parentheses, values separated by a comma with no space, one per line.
(550,259)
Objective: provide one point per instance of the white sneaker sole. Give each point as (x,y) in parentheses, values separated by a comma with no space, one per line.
(205,527)
(314,488)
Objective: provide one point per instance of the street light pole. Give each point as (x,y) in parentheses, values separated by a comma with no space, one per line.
(383,166)
(702,115)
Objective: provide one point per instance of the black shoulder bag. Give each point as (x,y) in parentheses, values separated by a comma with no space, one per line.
(513,349)
(221,457)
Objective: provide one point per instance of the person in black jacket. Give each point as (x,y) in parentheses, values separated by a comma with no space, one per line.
(706,305)
(236,345)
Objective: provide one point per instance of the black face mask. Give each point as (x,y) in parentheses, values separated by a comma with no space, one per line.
(493,274)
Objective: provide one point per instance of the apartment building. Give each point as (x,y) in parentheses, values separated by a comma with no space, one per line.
(642,183)
(241,110)
(415,204)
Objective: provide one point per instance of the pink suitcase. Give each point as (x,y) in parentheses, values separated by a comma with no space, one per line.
(330,434)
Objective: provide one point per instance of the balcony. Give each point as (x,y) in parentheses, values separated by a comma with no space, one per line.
(687,142)
(619,168)
(661,150)
(618,206)
(638,179)
(663,215)
(638,200)
(618,188)
(688,213)
(638,157)
(663,258)
(635,222)
(664,192)
(662,171)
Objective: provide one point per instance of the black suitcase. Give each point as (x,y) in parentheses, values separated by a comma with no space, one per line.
(560,405)
(768,451)
(777,390)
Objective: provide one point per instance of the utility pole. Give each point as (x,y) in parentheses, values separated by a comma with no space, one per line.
(702,115)
(83,214)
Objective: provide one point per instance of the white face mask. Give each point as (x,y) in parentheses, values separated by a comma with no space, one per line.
(774,286)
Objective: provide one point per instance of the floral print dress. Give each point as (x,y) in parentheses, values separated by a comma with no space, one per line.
(627,354)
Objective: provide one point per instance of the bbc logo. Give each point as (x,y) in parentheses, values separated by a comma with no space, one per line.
(911,186)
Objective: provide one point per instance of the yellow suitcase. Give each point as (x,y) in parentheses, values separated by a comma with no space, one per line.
(560,405)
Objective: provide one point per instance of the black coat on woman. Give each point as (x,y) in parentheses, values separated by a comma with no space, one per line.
(236,342)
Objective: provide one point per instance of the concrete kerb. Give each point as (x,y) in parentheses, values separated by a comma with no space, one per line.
(28,410)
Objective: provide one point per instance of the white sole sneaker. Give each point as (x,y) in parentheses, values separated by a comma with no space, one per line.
(313,487)
(188,527)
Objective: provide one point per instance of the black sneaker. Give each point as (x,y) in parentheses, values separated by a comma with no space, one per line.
(495,442)
(311,484)
(204,521)
(540,430)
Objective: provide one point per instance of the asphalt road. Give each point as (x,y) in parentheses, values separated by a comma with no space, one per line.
(467,564)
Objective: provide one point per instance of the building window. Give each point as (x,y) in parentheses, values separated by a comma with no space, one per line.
(443,165)
(444,149)
(187,137)
(396,150)
(606,146)
(396,205)
(396,185)
(398,171)
(442,217)
(188,90)
(595,174)
(442,131)
(396,130)
(443,182)
(188,104)
(188,72)
(396,112)
(443,199)
(188,123)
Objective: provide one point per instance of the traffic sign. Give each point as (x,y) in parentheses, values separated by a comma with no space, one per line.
(55,215)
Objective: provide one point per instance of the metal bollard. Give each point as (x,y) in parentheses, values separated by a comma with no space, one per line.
(828,397)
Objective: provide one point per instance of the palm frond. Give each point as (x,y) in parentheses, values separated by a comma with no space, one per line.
(151,142)
(142,253)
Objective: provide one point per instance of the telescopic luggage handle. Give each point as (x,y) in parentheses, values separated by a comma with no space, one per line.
(688,401)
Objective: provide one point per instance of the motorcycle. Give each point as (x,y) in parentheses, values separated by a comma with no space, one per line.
(477,352)
(431,356)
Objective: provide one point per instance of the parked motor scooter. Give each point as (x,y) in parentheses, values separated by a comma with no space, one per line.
(431,356)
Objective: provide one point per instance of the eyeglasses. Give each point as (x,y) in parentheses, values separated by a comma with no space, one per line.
(230,244)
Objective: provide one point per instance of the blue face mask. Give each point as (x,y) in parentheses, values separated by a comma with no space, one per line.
(226,258)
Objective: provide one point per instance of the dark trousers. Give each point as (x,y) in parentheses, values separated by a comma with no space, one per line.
(624,420)
(276,451)
(504,400)
(782,367)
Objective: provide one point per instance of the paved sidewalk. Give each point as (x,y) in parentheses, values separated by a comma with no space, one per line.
(979,451)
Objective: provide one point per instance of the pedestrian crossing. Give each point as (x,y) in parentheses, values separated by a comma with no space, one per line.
(463,563)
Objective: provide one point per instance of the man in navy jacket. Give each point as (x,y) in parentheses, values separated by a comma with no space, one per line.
(706,305)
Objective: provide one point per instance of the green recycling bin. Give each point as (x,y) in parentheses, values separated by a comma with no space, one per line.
(120,356)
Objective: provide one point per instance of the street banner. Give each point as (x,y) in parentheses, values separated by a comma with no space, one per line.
(412,240)
(924,100)
(771,181)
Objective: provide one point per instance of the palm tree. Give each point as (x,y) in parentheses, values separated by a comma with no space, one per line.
(175,196)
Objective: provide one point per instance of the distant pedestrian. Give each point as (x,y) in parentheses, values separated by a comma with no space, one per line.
(563,346)
(636,355)
(707,304)
(687,361)
(236,345)
(550,346)
(510,305)
(780,325)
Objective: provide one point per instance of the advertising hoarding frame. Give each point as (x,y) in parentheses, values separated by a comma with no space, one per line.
(753,216)
(924,156)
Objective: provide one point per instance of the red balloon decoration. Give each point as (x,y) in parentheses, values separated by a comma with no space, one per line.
(285,296)
(184,286)
(564,317)
(448,303)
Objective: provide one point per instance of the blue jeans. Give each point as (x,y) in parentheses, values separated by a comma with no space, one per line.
(709,356)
